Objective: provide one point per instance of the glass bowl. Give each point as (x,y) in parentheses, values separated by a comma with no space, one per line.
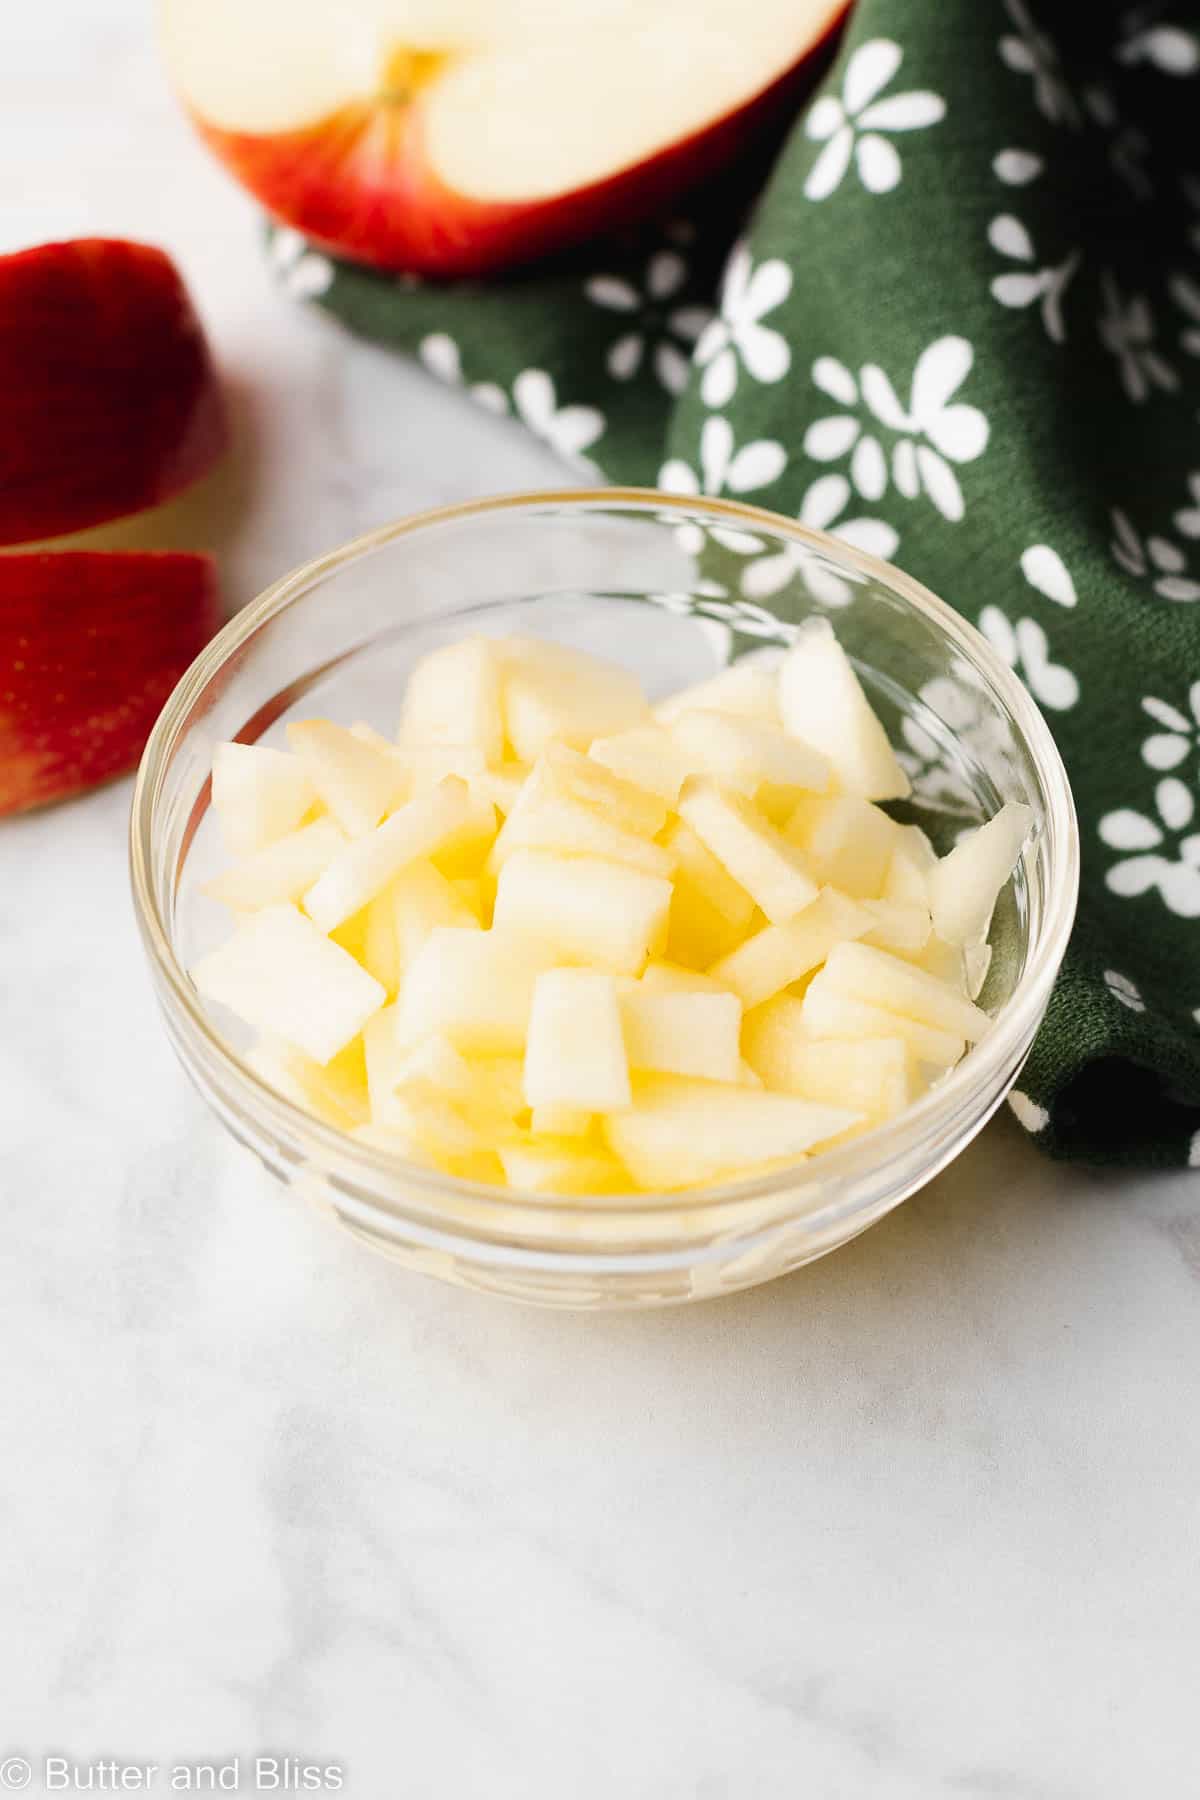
(674,588)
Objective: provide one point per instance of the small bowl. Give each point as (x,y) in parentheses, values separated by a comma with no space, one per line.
(661,584)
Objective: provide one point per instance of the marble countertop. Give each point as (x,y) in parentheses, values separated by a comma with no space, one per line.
(919,1523)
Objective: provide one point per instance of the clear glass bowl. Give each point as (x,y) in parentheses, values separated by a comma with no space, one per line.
(660,584)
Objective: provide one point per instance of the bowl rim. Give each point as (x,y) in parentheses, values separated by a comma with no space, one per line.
(982,1072)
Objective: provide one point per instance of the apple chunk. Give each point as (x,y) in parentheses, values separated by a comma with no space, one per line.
(454,139)
(678,1132)
(91,644)
(111,403)
(821,701)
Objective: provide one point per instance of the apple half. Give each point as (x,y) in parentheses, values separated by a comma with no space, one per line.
(457,137)
(91,644)
(111,401)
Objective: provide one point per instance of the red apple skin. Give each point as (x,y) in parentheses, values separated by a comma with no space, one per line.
(91,644)
(111,403)
(324,183)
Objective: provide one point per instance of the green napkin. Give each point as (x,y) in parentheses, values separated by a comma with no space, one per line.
(960,327)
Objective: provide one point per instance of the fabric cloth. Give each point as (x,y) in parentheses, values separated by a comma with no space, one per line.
(959,325)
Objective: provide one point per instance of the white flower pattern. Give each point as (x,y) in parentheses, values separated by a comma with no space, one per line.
(1124,991)
(924,438)
(724,468)
(568,429)
(852,127)
(301,271)
(657,326)
(738,335)
(1025,648)
(1126,328)
(1186,295)
(1044,286)
(1029,51)
(1155,559)
(822,508)
(1179,734)
(1161,852)
(442,357)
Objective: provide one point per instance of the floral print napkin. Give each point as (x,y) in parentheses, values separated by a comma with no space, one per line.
(957,325)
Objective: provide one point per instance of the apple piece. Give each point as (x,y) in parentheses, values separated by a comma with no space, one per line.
(424,765)
(822,702)
(828,1012)
(422,900)
(647,757)
(502,785)
(574,1052)
(903,929)
(757,856)
(553,695)
(435,1066)
(749,754)
(884,980)
(458,140)
(380,952)
(683,1033)
(336,1091)
(946,961)
(906,881)
(870,1075)
(280,872)
(697,934)
(978,960)
(453,697)
(258,795)
(367,734)
(964,885)
(91,644)
(673,978)
(417,829)
(778,955)
(469,889)
(745,690)
(564,772)
(846,842)
(679,1132)
(357,783)
(474,986)
(281,975)
(585,909)
(465,852)
(562,1165)
(560,1121)
(547,818)
(111,402)
(700,877)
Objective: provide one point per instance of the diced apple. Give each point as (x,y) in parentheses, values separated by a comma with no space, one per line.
(425,765)
(281,975)
(750,849)
(683,1033)
(466,850)
(419,828)
(747,690)
(946,961)
(965,884)
(906,880)
(978,960)
(258,795)
(475,986)
(550,814)
(869,1075)
(886,981)
(648,757)
(380,955)
(280,871)
(356,782)
(336,1091)
(435,1066)
(904,929)
(697,934)
(699,874)
(828,1012)
(751,756)
(778,955)
(560,1121)
(499,1087)
(502,785)
(422,899)
(679,1132)
(453,697)
(846,842)
(674,978)
(555,694)
(822,702)
(469,889)
(562,1166)
(575,1053)
(563,771)
(585,909)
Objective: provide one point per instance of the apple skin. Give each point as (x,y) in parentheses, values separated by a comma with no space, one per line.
(91,644)
(111,402)
(324,181)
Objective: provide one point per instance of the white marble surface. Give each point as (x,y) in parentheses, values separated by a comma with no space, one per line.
(919,1523)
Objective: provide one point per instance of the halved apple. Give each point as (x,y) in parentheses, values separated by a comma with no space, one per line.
(91,644)
(454,137)
(111,403)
